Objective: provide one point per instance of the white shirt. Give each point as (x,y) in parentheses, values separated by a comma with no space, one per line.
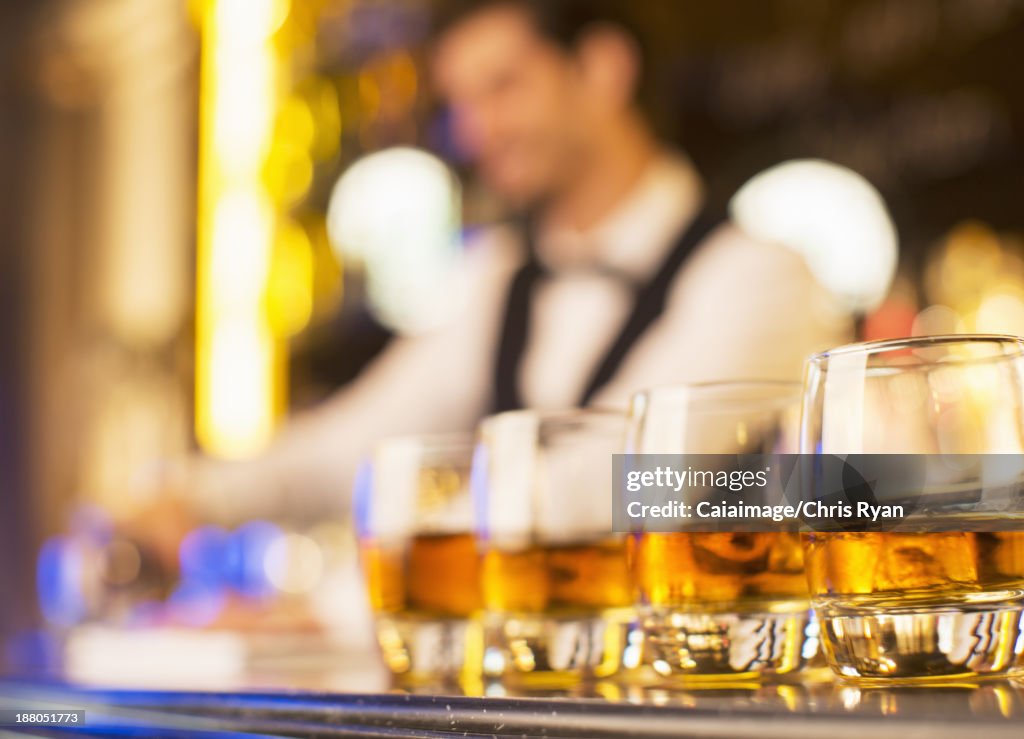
(737,309)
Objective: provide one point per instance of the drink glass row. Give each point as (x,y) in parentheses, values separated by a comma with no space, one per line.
(495,556)
(496,559)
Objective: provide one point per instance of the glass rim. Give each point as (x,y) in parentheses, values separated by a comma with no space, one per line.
(883,346)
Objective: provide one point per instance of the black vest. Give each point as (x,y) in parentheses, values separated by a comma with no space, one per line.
(648,304)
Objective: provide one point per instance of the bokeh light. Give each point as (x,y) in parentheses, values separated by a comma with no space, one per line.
(253,541)
(1002,312)
(238,368)
(294,563)
(936,320)
(59,581)
(396,212)
(832,216)
(974,282)
(291,281)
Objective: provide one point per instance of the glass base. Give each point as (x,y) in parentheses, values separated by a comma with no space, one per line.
(919,643)
(541,650)
(425,651)
(729,646)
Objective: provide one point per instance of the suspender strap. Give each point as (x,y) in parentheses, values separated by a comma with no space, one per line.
(648,305)
(514,333)
(650,299)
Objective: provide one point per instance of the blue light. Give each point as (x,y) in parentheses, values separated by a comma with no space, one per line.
(196,603)
(33,651)
(214,558)
(205,556)
(250,543)
(59,574)
(362,504)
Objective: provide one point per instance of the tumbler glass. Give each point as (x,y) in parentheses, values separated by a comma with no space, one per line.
(414,521)
(720,606)
(915,606)
(555,578)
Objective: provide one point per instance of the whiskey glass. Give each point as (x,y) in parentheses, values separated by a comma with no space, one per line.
(414,521)
(720,605)
(911,604)
(555,579)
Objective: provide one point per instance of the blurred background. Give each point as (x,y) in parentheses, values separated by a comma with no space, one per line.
(173,179)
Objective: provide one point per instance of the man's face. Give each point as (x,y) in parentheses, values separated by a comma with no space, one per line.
(516,101)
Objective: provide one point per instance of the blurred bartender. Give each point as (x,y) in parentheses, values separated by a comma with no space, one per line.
(622,275)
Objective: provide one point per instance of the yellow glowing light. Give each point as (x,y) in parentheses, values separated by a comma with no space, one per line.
(239,250)
(238,359)
(325,107)
(290,289)
(247,22)
(1001,312)
(288,172)
(967,265)
(240,373)
(241,104)
(296,123)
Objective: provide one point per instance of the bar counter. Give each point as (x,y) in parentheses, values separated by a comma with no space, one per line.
(992,710)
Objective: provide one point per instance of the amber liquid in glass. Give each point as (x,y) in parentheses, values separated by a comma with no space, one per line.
(723,605)
(559,612)
(705,570)
(563,578)
(425,594)
(918,606)
(436,575)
